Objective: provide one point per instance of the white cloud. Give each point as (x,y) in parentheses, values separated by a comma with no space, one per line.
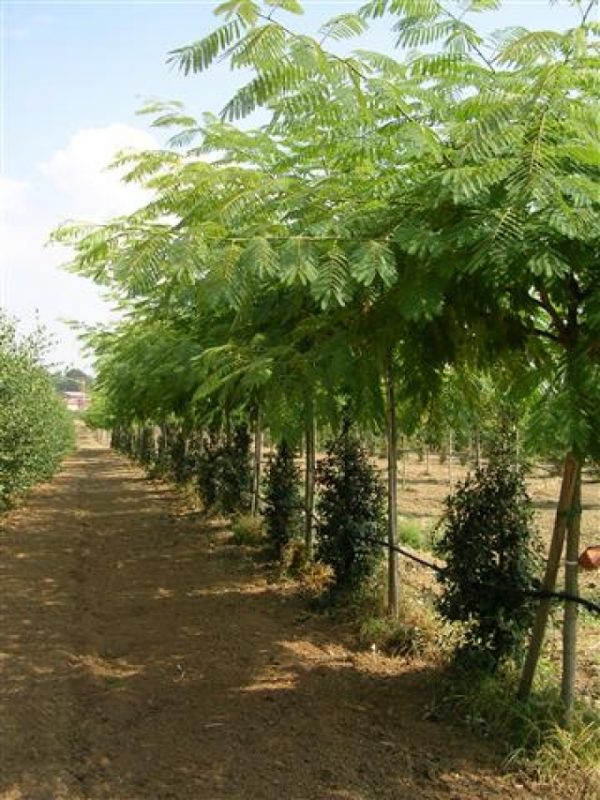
(72,184)
(80,171)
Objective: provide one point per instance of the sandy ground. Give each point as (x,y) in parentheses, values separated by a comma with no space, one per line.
(143,659)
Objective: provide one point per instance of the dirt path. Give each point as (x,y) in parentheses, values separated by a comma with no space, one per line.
(142,659)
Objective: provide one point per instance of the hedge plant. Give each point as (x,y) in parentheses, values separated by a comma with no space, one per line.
(492,560)
(351,509)
(36,429)
(282,499)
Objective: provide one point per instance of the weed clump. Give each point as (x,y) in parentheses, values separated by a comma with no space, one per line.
(410,533)
(529,732)
(247,530)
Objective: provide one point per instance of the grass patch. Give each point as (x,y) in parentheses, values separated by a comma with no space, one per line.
(413,534)
(247,530)
(410,533)
(529,733)
(418,632)
(316,580)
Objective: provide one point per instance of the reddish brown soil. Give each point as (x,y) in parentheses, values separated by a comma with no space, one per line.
(143,658)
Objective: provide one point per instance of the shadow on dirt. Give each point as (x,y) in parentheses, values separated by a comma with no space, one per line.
(140,661)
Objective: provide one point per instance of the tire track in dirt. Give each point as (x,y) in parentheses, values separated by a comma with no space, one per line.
(144,659)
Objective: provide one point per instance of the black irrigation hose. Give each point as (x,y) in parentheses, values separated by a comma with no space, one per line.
(542,594)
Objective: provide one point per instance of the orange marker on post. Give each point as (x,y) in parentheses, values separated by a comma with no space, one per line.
(590,558)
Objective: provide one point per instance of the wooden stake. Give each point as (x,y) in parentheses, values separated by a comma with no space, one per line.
(392,489)
(255,507)
(565,503)
(309,488)
(571,609)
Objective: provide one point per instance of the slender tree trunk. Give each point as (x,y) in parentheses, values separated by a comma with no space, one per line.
(571,609)
(403,445)
(164,429)
(255,506)
(392,458)
(309,487)
(450,449)
(565,503)
(427,460)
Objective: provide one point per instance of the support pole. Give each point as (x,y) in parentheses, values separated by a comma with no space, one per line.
(392,454)
(309,487)
(571,609)
(255,506)
(565,503)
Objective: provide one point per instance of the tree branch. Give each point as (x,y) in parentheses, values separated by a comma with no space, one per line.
(545,303)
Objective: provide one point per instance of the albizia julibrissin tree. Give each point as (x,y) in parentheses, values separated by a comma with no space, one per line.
(446,200)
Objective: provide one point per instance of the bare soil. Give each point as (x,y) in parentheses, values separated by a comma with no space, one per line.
(143,658)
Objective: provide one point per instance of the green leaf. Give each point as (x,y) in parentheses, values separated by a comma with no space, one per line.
(343,26)
(372,260)
(298,262)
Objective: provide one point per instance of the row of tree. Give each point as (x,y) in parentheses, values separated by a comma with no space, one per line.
(35,426)
(406,239)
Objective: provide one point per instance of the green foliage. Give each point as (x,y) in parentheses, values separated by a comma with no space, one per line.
(223,471)
(351,510)
(122,440)
(36,429)
(440,204)
(529,732)
(97,415)
(147,452)
(207,470)
(410,533)
(179,456)
(235,472)
(282,499)
(161,465)
(247,530)
(72,380)
(491,560)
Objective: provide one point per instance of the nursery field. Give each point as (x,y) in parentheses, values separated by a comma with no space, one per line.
(143,656)
(366,252)
(421,503)
(421,499)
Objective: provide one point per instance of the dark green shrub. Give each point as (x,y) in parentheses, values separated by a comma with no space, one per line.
(206,469)
(115,438)
(224,473)
(235,473)
(162,460)
(282,499)
(350,507)
(178,455)
(491,560)
(146,449)
(122,440)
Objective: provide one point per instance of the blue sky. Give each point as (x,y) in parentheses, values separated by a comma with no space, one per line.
(73,76)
